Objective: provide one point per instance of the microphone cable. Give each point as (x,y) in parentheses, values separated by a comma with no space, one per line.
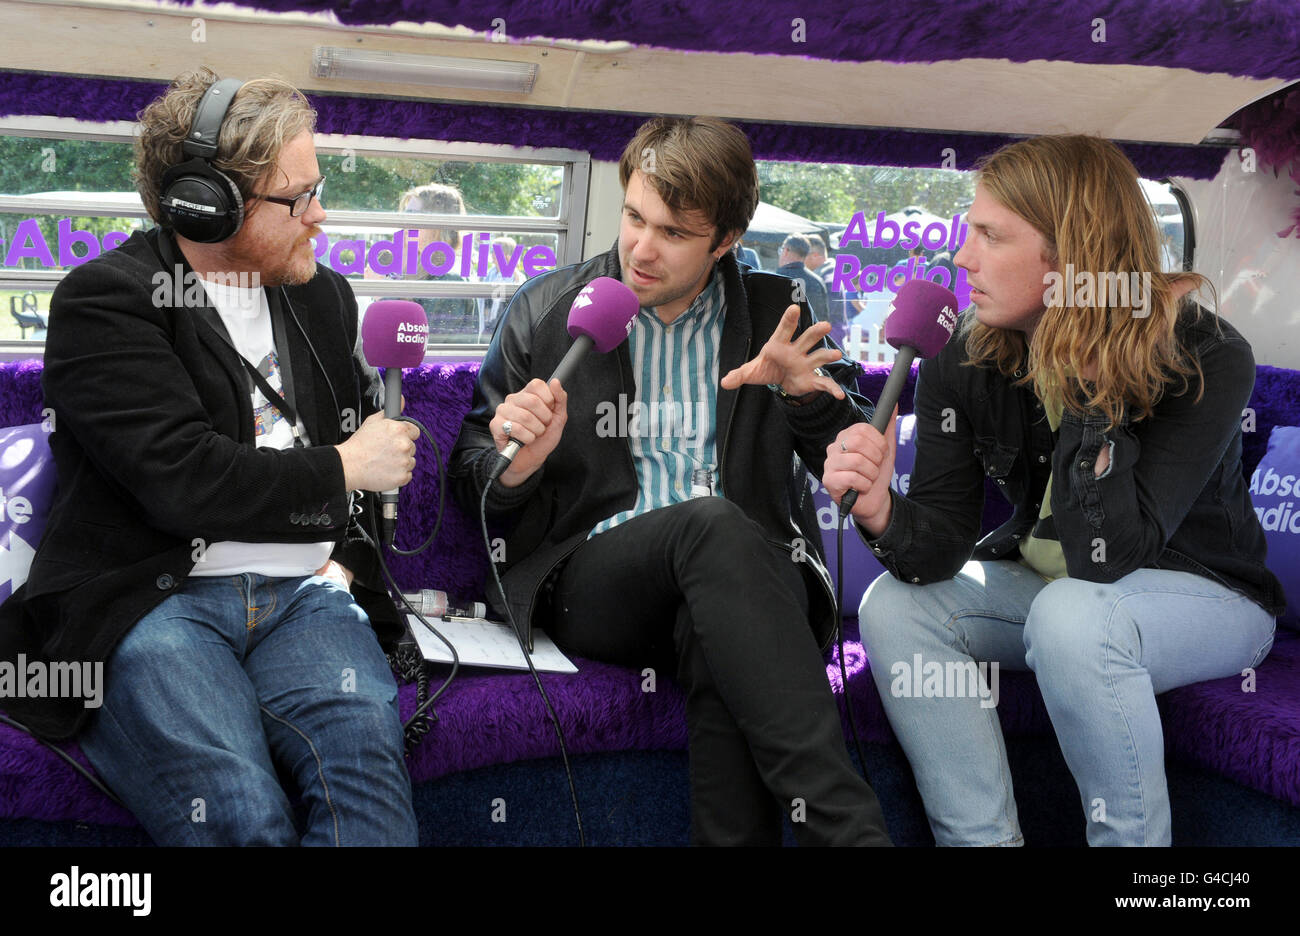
(555,722)
(442,492)
(840,524)
(410,663)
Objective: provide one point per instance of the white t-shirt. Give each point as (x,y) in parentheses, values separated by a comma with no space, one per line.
(247,318)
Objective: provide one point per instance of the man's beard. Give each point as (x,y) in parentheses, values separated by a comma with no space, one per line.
(291,275)
(664,293)
(295,271)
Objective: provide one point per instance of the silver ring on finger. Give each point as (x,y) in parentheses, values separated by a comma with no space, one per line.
(819,372)
(507,427)
(843,447)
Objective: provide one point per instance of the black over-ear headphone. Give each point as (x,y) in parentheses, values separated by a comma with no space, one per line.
(198,201)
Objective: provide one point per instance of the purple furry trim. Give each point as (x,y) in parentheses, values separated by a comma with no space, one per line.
(497,718)
(96,99)
(20,393)
(35,784)
(1272,128)
(439,395)
(1252,737)
(602,134)
(1202,35)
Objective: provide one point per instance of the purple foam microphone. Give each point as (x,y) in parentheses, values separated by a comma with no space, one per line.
(393,335)
(601,317)
(921,320)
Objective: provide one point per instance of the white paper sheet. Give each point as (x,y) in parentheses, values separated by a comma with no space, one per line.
(480,642)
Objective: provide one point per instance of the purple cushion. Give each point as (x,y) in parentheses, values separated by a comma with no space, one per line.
(27,480)
(1247,731)
(1275,492)
(439,396)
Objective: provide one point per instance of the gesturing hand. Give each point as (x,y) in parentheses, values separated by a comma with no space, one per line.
(786,360)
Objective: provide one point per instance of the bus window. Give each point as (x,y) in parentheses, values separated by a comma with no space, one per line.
(456,227)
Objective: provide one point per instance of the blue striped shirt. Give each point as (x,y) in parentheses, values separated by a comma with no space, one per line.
(670,424)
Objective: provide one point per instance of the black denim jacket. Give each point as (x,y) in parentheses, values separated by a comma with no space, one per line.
(1173,497)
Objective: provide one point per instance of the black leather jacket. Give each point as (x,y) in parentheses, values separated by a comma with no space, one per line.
(589,478)
(1173,498)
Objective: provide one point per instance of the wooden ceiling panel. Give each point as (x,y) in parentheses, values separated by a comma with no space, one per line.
(1125,102)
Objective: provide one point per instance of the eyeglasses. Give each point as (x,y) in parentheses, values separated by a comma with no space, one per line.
(299,203)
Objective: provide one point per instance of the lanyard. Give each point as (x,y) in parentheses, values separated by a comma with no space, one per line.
(282,403)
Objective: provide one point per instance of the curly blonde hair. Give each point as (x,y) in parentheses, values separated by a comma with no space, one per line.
(265,114)
(1082,194)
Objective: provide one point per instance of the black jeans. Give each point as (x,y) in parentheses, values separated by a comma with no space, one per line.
(696,589)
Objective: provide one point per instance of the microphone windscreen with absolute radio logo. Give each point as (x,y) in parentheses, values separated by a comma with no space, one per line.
(921,320)
(604,312)
(923,316)
(600,319)
(394,333)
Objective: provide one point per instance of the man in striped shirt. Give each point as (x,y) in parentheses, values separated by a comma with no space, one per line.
(657,519)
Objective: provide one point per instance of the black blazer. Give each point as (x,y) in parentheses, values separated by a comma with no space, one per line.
(154,445)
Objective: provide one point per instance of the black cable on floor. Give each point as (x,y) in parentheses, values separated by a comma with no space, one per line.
(839,636)
(409,663)
(523,647)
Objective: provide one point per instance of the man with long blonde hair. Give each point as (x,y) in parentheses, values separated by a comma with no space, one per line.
(1106,404)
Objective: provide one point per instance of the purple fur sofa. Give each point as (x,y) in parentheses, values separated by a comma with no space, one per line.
(1232,755)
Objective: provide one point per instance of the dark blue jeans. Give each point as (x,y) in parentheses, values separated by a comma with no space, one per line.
(229,680)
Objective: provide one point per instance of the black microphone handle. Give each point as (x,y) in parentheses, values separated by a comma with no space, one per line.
(563,371)
(569,363)
(392,409)
(885,404)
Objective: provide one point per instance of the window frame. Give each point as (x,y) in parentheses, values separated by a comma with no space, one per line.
(568,225)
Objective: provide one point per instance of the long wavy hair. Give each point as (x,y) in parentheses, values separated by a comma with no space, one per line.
(1082,194)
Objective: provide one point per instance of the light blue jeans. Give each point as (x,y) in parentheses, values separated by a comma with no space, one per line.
(1101,654)
(232,679)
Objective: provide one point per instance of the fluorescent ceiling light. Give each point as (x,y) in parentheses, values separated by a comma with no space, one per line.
(437,70)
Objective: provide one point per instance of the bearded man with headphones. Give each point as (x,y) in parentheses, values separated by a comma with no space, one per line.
(205,544)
